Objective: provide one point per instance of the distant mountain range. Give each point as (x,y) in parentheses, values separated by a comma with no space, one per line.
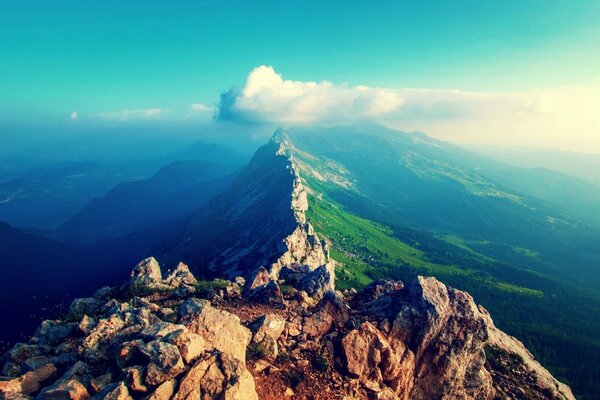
(524,242)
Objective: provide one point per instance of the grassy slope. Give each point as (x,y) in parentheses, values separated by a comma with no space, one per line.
(554,322)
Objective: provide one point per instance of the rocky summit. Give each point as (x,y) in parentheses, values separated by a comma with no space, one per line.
(175,337)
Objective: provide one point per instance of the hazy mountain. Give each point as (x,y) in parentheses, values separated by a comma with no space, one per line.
(46,196)
(580,165)
(176,190)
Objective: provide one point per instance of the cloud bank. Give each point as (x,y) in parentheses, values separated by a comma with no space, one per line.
(566,117)
(267,97)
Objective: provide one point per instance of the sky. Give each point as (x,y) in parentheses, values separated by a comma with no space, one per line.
(521,72)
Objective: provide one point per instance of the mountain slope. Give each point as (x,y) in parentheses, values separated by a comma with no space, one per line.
(404,205)
(177,189)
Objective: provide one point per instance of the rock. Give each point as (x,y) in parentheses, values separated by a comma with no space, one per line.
(190,308)
(190,345)
(100,382)
(104,293)
(71,389)
(267,329)
(181,276)
(115,391)
(86,325)
(85,306)
(164,391)
(134,376)
(159,330)
(166,362)
(30,382)
(189,386)
(318,324)
(221,331)
(96,345)
(376,362)
(130,353)
(146,274)
(50,331)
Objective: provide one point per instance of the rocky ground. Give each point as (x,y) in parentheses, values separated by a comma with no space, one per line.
(176,338)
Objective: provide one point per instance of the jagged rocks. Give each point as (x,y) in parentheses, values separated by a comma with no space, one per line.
(221,331)
(181,277)
(419,341)
(267,330)
(146,274)
(165,362)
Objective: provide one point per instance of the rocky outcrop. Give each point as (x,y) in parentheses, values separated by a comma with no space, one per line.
(304,259)
(434,342)
(155,339)
(128,347)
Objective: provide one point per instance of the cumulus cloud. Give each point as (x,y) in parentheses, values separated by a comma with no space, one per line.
(74,115)
(124,115)
(267,97)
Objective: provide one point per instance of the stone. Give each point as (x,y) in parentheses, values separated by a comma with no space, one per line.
(221,331)
(134,376)
(100,382)
(190,345)
(85,306)
(96,346)
(30,382)
(317,324)
(115,391)
(70,389)
(189,386)
(164,391)
(181,276)
(190,308)
(146,274)
(166,362)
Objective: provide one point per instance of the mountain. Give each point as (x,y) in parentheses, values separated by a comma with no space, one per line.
(46,196)
(581,165)
(397,205)
(167,338)
(177,189)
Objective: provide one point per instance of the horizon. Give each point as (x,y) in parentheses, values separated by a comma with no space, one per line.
(503,74)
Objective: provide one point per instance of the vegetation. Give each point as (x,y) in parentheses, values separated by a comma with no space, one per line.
(554,320)
(209,288)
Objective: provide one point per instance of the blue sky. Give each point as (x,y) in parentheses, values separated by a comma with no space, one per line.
(101,58)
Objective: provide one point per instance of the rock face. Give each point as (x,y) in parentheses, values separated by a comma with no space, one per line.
(152,338)
(258,229)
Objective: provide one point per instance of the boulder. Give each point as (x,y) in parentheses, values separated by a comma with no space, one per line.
(221,331)
(146,274)
(165,362)
(85,306)
(30,382)
(134,376)
(164,391)
(190,345)
(267,329)
(115,391)
(181,276)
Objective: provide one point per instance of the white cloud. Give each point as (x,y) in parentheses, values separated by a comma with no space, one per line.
(565,117)
(74,115)
(142,113)
(200,108)
(267,97)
